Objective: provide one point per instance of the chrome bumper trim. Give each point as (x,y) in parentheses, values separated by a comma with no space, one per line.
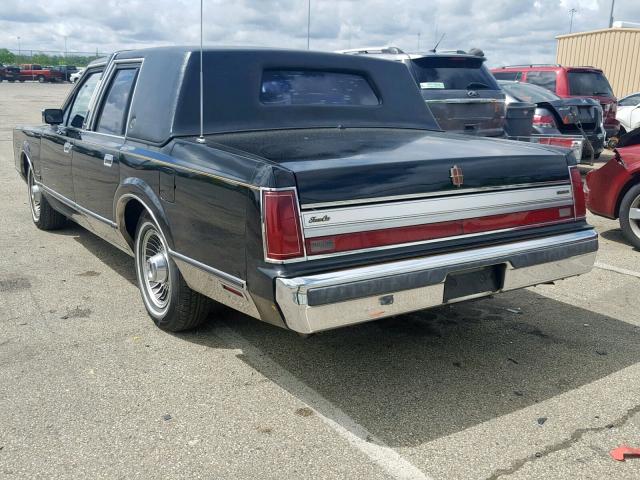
(418,283)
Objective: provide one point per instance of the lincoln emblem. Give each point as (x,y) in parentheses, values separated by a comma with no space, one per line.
(457,178)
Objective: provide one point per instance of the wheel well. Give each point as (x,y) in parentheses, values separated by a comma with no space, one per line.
(132,211)
(633,181)
(25,165)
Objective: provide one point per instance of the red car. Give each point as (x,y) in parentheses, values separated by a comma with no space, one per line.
(568,82)
(613,191)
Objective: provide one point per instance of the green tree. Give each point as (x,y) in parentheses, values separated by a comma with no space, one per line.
(6,56)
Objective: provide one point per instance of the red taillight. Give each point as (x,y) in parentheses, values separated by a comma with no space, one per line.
(580,208)
(283,237)
(544,118)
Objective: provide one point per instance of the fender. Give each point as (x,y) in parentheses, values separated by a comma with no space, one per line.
(135,189)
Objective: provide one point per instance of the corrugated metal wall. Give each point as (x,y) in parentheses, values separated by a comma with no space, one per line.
(615,50)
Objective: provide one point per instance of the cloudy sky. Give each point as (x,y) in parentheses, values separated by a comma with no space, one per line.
(509,31)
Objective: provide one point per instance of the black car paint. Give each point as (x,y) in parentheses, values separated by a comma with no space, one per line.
(206,197)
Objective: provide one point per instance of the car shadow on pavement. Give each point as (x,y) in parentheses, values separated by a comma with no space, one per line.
(615,235)
(112,257)
(418,377)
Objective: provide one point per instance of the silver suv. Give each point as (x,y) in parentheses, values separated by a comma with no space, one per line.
(460,91)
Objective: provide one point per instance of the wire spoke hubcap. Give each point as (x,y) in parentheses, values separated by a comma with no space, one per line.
(35,197)
(154,269)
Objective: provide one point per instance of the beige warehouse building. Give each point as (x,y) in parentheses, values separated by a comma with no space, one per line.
(615,50)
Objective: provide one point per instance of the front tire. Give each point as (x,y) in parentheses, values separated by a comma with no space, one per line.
(169,301)
(630,215)
(42,213)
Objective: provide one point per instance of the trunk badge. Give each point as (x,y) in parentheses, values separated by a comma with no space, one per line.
(457,178)
(472,93)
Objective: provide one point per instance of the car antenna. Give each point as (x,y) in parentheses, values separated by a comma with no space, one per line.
(201,138)
(436,45)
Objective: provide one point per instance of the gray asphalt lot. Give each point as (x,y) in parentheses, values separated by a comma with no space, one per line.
(538,383)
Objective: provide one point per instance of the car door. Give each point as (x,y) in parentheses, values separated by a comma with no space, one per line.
(96,154)
(57,141)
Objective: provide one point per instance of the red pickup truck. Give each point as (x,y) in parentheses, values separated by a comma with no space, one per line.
(31,71)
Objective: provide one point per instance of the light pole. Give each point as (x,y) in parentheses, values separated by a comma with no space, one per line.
(419,34)
(308,22)
(19,53)
(65,47)
(613,2)
(571,12)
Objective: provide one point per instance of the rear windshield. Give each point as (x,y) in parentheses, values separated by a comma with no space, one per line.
(312,87)
(453,73)
(528,93)
(589,84)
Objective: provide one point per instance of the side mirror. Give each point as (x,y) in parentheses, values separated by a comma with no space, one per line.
(52,116)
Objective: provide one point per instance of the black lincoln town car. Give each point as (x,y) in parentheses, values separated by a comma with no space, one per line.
(322,193)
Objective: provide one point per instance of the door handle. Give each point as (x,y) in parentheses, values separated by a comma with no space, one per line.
(67,147)
(108,159)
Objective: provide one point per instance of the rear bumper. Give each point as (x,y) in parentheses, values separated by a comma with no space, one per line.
(329,300)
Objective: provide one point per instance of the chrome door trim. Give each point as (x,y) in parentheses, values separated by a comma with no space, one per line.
(515,186)
(75,206)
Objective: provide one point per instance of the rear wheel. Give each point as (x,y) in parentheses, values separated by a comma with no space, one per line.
(630,215)
(170,302)
(41,78)
(42,213)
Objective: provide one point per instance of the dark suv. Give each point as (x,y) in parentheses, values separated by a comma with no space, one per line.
(460,91)
(569,82)
(9,73)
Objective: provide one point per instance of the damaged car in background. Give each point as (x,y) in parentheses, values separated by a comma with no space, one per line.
(320,194)
(554,116)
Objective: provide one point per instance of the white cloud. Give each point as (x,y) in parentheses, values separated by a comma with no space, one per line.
(507,30)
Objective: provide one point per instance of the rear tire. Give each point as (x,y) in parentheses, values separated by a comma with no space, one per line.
(630,216)
(41,79)
(42,213)
(169,301)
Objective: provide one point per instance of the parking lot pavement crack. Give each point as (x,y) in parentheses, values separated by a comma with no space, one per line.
(575,437)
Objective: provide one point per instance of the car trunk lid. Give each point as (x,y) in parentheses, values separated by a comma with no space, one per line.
(375,188)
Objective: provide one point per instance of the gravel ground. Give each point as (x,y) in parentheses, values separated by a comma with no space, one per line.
(538,383)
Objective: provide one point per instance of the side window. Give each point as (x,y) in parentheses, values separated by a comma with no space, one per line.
(80,106)
(116,105)
(543,79)
(513,76)
(631,101)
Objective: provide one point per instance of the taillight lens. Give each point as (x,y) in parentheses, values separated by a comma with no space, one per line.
(579,203)
(283,236)
(544,118)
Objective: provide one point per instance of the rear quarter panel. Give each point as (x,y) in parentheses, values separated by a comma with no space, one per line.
(607,185)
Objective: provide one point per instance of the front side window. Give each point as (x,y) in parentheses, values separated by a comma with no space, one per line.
(311,87)
(80,107)
(116,106)
(543,79)
(589,84)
